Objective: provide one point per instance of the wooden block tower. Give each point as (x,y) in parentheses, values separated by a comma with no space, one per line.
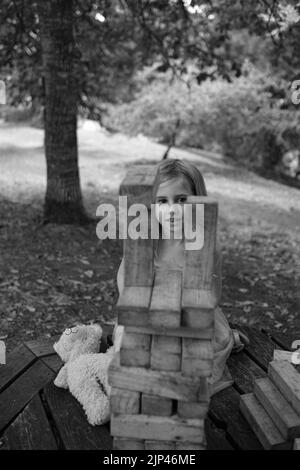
(159,377)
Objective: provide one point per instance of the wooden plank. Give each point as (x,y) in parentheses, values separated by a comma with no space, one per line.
(244,371)
(165,306)
(138,184)
(135,350)
(138,262)
(16,362)
(193,300)
(192,317)
(133,305)
(192,410)
(182,332)
(197,357)
(216,437)
(260,348)
(136,341)
(261,423)
(157,428)
(53,362)
(166,353)
(164,384)
(199,264)
(74,429)
(125,401)
(224,411)
(122,443)
(296,445)
(280,355)
(160,445)
(19,393)
(42,347)
(185,445)
(132,358)
(283,340)
(156,406)
(287,379)
(278,408)
(31,429)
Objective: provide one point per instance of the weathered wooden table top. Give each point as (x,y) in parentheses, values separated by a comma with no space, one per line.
(35,414)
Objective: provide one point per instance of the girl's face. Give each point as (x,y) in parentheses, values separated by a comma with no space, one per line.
(170,198)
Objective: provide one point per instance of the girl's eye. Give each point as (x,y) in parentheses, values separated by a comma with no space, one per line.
(181,200)
(162,201)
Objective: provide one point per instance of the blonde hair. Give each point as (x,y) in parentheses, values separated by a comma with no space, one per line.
(174,168)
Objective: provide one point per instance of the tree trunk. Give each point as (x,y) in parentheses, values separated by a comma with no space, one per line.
(63,202)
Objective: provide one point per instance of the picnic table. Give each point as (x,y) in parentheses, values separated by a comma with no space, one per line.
(35,414)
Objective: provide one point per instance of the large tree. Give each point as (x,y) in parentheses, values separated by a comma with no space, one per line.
(63,201)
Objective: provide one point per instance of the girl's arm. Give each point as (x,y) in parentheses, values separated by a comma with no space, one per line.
(120,276)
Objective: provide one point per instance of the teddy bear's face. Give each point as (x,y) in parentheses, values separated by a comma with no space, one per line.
(77,340)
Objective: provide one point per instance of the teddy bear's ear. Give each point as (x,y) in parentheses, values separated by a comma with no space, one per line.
(61,379)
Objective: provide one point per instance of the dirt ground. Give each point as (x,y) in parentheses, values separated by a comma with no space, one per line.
(52,277)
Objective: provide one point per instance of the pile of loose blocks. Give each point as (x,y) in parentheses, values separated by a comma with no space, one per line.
(160,376)
(273,409)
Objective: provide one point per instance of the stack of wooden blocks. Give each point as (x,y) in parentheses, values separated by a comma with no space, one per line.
(160,389)
(273,410)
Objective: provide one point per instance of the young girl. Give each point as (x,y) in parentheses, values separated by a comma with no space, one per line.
(175,181)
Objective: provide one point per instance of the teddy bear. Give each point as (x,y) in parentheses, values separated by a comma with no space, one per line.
(85,372)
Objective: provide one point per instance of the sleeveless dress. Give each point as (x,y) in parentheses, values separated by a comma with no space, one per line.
(223,340)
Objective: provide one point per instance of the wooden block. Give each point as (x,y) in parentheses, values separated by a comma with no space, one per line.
(296,445)
(138,184)
(133,305)
(190,410)
(163,384)
(195,299)
(278,408)
(182,332)
(197,357)
(196,367)
(138,263)
(135,350)
(165,306)
(135,358)
(156,406)
(189,446)
(136,341)
(280,355)
(262,425)
(124,401)
(287,379)
(157,428)
(121,443)
(199,264)
(166,353)
(197,317)
(160,445)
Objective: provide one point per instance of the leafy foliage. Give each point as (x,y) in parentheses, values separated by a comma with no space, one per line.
(240,116)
